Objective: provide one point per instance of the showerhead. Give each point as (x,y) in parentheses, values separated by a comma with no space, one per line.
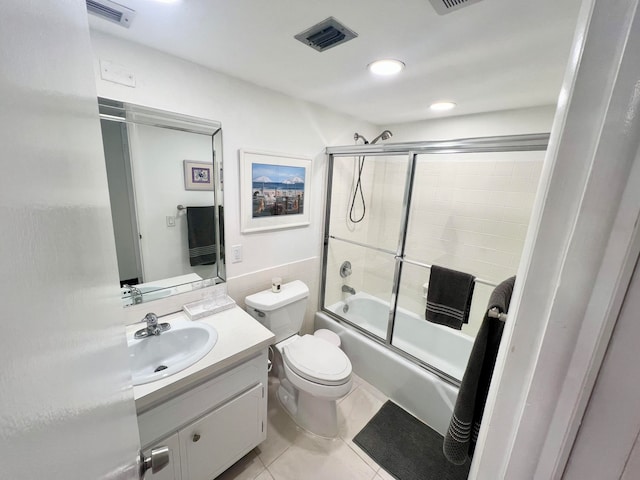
(386,135)
(357,136)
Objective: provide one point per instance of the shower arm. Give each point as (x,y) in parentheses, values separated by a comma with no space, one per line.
(357,136)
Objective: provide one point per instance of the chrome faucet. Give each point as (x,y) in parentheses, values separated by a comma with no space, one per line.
(153,327)
(348,289)
(134,293)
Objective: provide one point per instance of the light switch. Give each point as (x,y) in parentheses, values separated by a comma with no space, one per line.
(236,253)
(171,221)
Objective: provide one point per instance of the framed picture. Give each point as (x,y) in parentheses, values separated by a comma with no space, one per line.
(198,175)
(274,191)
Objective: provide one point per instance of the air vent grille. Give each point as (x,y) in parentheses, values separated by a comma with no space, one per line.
(111,11)
(325,35)
(447,6)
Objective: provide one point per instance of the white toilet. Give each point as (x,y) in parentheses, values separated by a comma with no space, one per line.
(312,369)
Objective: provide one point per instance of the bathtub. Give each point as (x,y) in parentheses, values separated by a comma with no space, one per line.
(419,391)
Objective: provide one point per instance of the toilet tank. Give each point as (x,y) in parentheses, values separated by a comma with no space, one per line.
(283,312)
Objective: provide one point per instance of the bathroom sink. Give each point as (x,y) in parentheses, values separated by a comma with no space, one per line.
(156,357)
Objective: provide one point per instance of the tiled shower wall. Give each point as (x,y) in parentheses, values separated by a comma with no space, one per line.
(469,212)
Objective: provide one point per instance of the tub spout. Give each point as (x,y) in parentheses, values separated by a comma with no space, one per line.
(348,289)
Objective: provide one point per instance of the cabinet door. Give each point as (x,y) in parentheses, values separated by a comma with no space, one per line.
(171,471)
(219,439)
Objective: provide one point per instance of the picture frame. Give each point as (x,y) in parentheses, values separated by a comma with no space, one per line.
(275,191)
(198,175)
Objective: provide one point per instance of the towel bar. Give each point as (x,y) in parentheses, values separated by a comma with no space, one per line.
(495,313)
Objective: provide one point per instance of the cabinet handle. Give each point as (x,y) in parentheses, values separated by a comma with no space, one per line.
(196,437)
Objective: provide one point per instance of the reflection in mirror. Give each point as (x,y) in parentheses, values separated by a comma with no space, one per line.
(165,186)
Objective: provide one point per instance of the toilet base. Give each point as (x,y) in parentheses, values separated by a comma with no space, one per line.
(311,406)
(318,416)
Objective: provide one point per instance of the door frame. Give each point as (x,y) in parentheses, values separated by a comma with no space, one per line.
(578,257)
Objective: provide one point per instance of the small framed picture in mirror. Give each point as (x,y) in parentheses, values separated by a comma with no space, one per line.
(198,175)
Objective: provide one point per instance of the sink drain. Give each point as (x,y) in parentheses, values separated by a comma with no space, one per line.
(160,368)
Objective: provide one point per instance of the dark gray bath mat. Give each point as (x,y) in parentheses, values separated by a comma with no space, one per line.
(407,448)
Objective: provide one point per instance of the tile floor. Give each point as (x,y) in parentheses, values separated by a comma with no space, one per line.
(289,453)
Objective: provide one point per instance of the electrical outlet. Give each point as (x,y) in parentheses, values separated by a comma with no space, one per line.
(236,253)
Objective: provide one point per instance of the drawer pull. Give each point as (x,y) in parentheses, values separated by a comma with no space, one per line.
(196,437)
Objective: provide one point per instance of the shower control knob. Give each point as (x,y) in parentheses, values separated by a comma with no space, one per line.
(345,269)
(196,437)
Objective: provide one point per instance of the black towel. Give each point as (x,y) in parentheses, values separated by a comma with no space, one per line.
(202,235)
(462,435)
(449,297)
(221,228)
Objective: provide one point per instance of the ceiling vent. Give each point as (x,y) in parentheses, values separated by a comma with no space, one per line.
(326,34)
(114,12)
(447,6)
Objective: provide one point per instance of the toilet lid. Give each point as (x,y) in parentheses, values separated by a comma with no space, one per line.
(317,360)
(328,336)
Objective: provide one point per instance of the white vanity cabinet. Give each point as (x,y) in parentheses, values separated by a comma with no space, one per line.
(211,426)
(210,445)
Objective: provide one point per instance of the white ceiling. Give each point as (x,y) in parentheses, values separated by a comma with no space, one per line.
(492,55)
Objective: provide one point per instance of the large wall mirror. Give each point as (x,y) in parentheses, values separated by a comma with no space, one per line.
(165,184)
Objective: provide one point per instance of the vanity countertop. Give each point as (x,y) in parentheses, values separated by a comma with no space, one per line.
(239,336)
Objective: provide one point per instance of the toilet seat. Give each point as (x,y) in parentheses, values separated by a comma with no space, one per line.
(317,361)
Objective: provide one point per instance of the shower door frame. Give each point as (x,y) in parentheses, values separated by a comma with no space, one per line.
(493,144)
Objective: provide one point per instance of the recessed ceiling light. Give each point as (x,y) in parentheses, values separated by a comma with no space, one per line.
(387,66)
(442,106)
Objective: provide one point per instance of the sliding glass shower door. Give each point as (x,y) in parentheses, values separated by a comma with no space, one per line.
(395,210)
(367,200)
(470,214)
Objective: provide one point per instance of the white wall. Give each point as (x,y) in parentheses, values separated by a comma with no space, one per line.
(506,122)
(251,117)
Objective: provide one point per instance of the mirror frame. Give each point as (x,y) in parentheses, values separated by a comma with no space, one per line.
(128,113)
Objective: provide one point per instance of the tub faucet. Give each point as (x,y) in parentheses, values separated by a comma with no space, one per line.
(348,289)
(153,327)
